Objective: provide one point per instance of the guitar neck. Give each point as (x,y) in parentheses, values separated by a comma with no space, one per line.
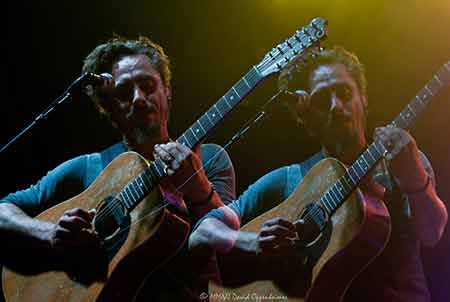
(199,130)
(142,185)
(340,191)
(408,116)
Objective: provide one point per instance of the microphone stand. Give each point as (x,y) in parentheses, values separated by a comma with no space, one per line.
(61,99)
(252,121)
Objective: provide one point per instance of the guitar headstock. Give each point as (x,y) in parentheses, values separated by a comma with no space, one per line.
(304,40)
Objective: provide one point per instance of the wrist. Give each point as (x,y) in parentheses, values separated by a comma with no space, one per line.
(198,189)
(200,207)
(209,196)
(46,237)
(204,198)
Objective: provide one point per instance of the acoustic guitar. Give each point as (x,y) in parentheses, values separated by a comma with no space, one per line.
(139,233)
(341,233)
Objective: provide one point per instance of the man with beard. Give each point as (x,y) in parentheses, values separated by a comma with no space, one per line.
(335,112)
(138,105)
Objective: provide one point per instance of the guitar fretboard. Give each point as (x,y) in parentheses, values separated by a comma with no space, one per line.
(408,116)
(224,105)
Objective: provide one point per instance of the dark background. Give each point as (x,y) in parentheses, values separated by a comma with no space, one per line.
(211,45)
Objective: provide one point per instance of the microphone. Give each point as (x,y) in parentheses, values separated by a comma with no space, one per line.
(101,80)
(296,102)
(303,95)
(298,98)
(91,82)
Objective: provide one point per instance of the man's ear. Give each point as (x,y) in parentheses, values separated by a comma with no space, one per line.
(168,92)
(364,102)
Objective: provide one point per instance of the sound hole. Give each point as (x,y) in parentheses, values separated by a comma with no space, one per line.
(109,217)
(315,219)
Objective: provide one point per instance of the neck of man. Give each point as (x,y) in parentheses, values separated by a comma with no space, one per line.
(146,146)
(345,151)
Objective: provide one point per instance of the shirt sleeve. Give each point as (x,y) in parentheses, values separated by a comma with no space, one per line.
(427,165)
(61,183)
(219,170)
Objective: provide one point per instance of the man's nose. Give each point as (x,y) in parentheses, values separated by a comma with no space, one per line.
(139,98)
(336,103)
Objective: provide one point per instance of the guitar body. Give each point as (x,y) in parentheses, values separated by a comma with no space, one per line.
(146,240)
(356,233)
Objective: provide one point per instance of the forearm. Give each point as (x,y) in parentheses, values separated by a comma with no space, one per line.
(22,231)
(429,215)
(214,234)
(415,175)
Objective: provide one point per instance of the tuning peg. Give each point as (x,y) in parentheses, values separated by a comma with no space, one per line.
(305,32)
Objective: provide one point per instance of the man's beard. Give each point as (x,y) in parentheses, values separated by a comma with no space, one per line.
(144,133)
(340,137)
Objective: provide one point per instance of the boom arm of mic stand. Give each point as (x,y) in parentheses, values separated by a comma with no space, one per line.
(260,114)
(61,99)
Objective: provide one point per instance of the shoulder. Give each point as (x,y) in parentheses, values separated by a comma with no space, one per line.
(213,155)
(277,175)
(212,150)
(272,185)
(70,168)
(267,192)
(424,159)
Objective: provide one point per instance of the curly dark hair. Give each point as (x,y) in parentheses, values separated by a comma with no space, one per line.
(104,56)
(335,55)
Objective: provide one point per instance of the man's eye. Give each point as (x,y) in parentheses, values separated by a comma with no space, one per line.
(123,95)
(344,93)
(148,86)
(321,101)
